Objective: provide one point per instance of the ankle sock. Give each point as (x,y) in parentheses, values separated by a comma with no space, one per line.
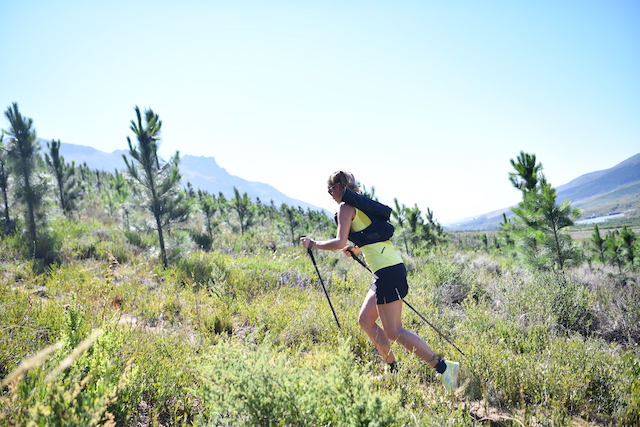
(440,366)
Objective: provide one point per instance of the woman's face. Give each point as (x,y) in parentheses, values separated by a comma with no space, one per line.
(336,191)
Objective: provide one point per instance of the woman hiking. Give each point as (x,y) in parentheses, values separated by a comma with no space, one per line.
(384,299)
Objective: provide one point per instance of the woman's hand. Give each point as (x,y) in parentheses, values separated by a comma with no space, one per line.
(346,213)
(307,242)
(351,250)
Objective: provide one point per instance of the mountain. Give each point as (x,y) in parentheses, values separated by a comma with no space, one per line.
(601,192)
(94,159)
(202,172)
(597,193)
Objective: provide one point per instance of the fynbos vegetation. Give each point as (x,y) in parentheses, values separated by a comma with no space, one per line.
(123,310)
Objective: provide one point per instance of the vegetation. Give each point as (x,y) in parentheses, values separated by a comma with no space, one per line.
(527,172)
(65,177)
(4,182)
(23,157)
(160,182)
(232,327)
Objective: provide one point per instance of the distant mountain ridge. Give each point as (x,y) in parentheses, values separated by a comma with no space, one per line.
(596,193)
(202,172)
(600,182)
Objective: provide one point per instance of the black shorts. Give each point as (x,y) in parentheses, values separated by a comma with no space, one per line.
(390,284)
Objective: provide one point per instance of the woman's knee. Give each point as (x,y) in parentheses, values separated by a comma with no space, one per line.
(366,321)
(393,334)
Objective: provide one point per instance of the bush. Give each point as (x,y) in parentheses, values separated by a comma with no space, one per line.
(205,270)
(269,386)
(74,387)
(244,334)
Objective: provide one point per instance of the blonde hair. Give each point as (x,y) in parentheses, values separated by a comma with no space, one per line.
(345,178)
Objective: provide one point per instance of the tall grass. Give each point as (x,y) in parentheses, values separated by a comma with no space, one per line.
(243,335)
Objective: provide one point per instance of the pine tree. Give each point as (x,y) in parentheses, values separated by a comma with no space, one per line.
(161,182)
(540,223)
(414,218)
(244,209)
(614,251)
(23,155)
(293,221)
(431,232)
(599,244)
(526,177)
(553,219)
(209,206)
(400,216)
(371,194)
(415,226)
(4,183)
(506,229)
(485,242)
(118,195)
(261,211)
(539,220)
(628,239)
(68,187)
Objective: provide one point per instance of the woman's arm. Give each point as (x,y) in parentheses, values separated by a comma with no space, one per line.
(346,213)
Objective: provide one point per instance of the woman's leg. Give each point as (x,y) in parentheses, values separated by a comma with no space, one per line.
(367,320)
(391,318)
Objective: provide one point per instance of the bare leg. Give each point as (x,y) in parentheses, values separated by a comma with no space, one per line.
(391,318)
(367,319)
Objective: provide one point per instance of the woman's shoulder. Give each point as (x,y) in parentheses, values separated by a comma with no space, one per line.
(346,209)
(345,206)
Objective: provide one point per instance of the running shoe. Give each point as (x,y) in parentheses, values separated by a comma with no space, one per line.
(450,376)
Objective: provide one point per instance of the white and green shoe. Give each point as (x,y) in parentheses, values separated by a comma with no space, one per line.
(450,376)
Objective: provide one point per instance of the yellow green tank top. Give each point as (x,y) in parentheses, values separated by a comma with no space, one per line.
(378,255)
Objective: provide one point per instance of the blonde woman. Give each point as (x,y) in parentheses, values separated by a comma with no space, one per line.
(384,299)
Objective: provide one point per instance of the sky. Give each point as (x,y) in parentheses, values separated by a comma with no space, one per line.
(425,101)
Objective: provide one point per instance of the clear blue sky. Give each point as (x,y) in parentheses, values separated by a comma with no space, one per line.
(426,101)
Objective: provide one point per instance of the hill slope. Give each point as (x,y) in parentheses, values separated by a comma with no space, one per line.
(596,193)
(202,172)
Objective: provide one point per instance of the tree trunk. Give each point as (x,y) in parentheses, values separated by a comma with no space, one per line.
(30,208)
(4,194)
(6,205)
(163,252)
(558,252)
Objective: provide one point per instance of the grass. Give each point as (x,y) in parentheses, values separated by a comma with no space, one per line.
(243,335)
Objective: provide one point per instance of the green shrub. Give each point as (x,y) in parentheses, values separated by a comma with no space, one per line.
(573,307)
(530,363)
(140,239)
(628,390)
(217,324)
(77,386)
(251,315)
(42,253)
(203,270)
(163,378)
(268,386)
(203,240)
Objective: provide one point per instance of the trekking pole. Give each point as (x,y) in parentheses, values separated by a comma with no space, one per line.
(323,287)
(409,305)
(436,329)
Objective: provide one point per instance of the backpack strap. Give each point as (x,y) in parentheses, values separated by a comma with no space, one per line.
(377,231)
(371,207)
(380,229)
